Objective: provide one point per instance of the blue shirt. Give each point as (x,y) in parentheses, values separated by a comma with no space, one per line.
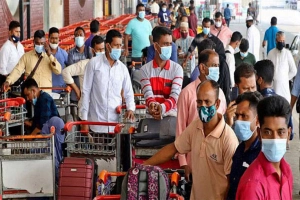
(151,53)
(227,13)
(270,37)
(240,160)
(195,74)
(140,32)
(88,42)
(57,79)
(164,16)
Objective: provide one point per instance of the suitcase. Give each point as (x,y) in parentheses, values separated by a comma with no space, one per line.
(76,179)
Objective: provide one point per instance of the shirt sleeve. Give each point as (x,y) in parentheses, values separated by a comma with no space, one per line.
(194,44)
(86,89)
(70,58)
(128,91)
(223,103)
(174,53)
(45,111)
(4,56)
(146,85)
(296,86)
(292,65)
(265,37)
(76,69)
(230,144)
(150,53)
(251,190)
(17,71)
(128,30)
(54,64)
(183,142)
(195,74)
(231,64)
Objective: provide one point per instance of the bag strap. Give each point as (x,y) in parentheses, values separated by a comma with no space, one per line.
(153,184)
(35,67)
(227,51)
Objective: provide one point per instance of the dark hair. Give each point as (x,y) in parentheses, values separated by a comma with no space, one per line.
(252,97)
(204,55)
(244,46)
(218,14)
(79,28)
(29,83)
(213,84)
(192,8)
(39,34)
(13,25)
(112,34)
(96,40)
(265,69)
(273,106)
(206,20)
(236,36)
(164,4)
(94,26)
(53,30)
(244,70)
(191,2)
(273,21)
(170,5)
(227,5)
(206,44)
(158,31)
(139,5)
(145,51)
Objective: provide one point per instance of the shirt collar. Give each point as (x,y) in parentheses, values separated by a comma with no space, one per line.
(230,48)
(256,144)
(218,130)
(166,67)
(268,92)
(106,60)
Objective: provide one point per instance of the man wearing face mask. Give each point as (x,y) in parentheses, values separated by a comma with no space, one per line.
(104,78)
(60,54)
(161,79)
(253,36)
(220,31)
(285,68)
(229,52)
(176,33)
(11,51)
(211,143)
(244,56)
(28,62)
(270,176)
(164,16)
(140,30)
(245,128)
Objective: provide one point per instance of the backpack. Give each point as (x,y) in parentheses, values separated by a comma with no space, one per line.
(145,182)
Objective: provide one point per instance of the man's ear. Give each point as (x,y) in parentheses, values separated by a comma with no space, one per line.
(259,133)
(202,68)
(155,46)
(218,102)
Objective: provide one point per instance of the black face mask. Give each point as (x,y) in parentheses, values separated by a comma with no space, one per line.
(248,26)
(15,39)
(280,45)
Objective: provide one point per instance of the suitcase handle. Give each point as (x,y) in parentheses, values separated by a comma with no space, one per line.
(175,177)
(139,95)
(176,196)
(103,176)
(29,137)
(69,125)
(137,107)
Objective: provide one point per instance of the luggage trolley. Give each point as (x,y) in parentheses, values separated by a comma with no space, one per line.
(27,166)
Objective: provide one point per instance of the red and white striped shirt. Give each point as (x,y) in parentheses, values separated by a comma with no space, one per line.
(162,85)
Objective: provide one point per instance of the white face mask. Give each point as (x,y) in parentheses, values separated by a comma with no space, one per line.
(218,24)
(53,46)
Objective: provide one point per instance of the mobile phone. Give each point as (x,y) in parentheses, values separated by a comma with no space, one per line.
(234,93)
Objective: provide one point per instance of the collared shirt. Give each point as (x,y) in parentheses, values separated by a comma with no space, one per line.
(261,181)
(176,33)
(240,162)
(185,44)
(250,59)
(43,74)
(229,52)
(227,13)
(211,158)
(88,42)
(253,37)
(285,70)
(140,32)
(187,112)
(162,85)
(193,22)
(101,93)
(62,57)
(44,109)
(224,34)
(151,53)
(10,56)
(270,37)
(154,8)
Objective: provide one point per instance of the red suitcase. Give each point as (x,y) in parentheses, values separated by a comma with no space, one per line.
(76,179)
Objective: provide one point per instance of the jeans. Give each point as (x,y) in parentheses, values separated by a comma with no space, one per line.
(227,22)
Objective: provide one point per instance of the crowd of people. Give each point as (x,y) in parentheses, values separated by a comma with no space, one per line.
(233,109)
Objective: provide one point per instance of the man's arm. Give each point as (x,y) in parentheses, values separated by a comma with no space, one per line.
(70,58)
(17,71)
(146,86)
(35,131)
(4,56)
(128,91)
(164,155)
(54,64)
(292,65)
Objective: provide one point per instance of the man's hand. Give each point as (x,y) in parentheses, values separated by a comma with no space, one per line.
(78,94)
(27,123)
(129,115)
(187,172)
(151,108)
(84,128)
(47,48)
(157,112)
(126,52)
(230,113)
(5,86)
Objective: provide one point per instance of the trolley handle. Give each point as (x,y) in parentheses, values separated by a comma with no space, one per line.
(108,197)
(67,89)
(139,95)
(175,178)
(29,137)
(19,100)
(122,107)
(133,63)
(69,125)
(104,175)
(176,196)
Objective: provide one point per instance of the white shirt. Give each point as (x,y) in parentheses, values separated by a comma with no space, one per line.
(285,70)
(77,69)
(101,93)
(185,44)
(10,56)
(155,8)
(253,36)
(231,63)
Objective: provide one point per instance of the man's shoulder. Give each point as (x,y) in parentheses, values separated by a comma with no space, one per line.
(190,88)
(254,173)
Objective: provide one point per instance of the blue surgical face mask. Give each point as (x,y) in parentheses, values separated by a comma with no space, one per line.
(115,54)
(34,101)
(244,54)
(39,48)
(164,9)
(242,130)
(274,149)
(213,73)
(142,14)
(79,41)
(166,52)
(206,113)
(98,53)
(206,31)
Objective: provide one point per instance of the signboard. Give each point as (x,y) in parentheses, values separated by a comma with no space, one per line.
(206,13)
